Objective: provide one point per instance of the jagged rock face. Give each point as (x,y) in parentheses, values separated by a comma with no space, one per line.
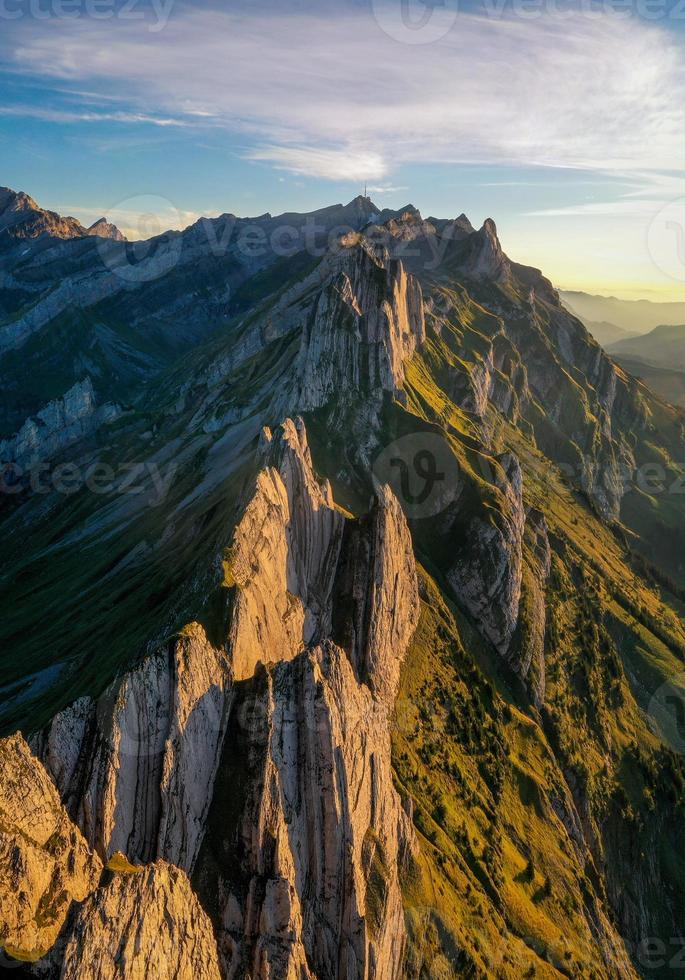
(138,767)
(146,925)
(21,218)
(322,835)
(61,423)
(283,559)
(501,571)
(308,870)
(102,228)
(485,258)
(588,405)
(486,575)
(320,816)
(45,864)
(542,357)
(366,321)
(529,659)
(353,322)
(376,595)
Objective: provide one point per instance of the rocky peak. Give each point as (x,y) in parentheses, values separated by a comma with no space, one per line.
(15,202)
(363,206)
(367,320)
(324,610)
(321,833)
(21,217)
(45,863)
(485,259)
(144,916)
(137,767)
(463,223)
(102,228)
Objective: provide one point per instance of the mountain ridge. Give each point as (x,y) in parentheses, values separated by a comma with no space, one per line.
(385,674)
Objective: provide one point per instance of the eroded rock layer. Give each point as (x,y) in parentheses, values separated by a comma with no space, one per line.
(45,864)
(145,925)
(271,753)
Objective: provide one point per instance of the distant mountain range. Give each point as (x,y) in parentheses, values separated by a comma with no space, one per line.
(22,218)
(663,347)
(657,358)
(610,315)
(645,338)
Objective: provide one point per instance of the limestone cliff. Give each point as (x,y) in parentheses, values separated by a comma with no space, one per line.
(307,834)
(271,754)
(366,322)
(57,425)
(45,864)
(137,767)
(283,557)
(486,574)
(308,872)
(143,925)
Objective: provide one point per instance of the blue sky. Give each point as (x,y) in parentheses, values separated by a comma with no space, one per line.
(565,121)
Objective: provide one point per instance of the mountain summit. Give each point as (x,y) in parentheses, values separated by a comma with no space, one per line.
(22,218)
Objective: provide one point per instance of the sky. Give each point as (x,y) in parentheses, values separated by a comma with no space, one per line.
(564,120)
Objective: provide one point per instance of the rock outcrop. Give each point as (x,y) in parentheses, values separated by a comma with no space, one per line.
(283,557)
(138,767)
(102,228)
(485,259)
(307,834)
(143,925)
(365,323)
(503,561)
(273,755)
(312,887)
(22,218)
(45,864)
(56,426)
(486,575)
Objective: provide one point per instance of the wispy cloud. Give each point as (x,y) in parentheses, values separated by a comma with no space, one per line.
(74,116)
(643,194)
(336,97)
(349,163)
(387,189)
